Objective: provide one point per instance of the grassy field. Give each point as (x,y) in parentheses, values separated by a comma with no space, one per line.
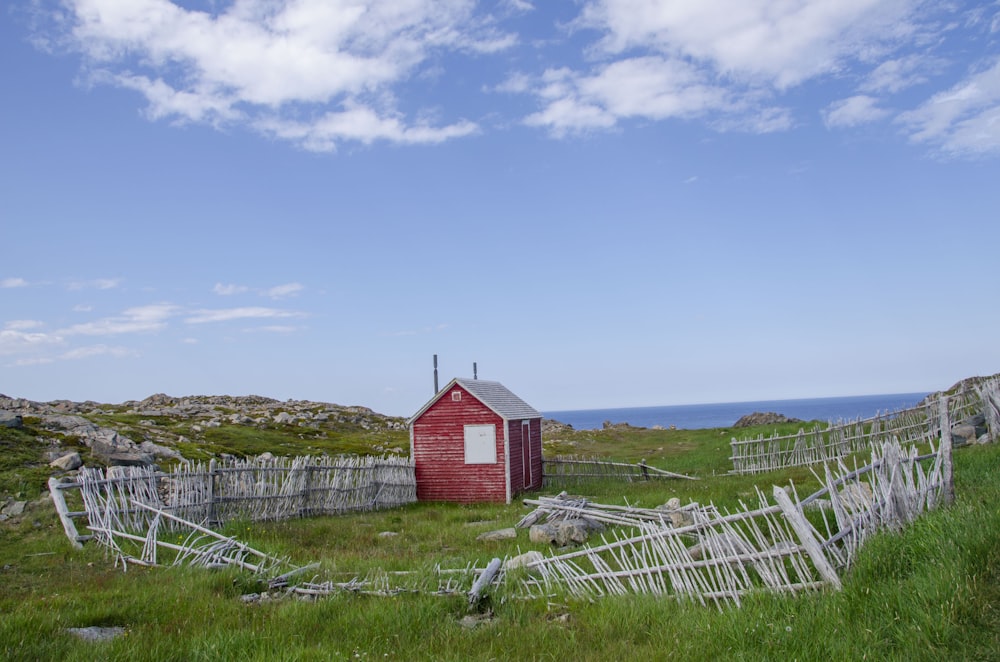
(930,592)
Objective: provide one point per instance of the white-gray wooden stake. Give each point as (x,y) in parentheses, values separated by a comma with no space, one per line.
(59,500)
(945,450)
(806,538)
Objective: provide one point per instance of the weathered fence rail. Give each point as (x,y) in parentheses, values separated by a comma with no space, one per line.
(570,469)
(916,425)
(255,489)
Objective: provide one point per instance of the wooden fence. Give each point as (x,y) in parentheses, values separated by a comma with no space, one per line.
(720,557)
(564,469)
(255,489)
(916,425)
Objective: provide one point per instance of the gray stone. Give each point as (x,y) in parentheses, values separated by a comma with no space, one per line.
(963,434)
(543,533)
(14,508)
(95,633)
(572,532)
(679,518)
(523,560)
(285,418)
(67,462)
(500,534)
(9,419)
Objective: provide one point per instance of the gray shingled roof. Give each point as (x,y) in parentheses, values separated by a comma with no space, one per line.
(499,398)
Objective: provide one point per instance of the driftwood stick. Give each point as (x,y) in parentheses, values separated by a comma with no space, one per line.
(483,581)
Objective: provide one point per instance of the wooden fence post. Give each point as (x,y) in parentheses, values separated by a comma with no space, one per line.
(59,501)
(806,538)
(210,505)
(945,450)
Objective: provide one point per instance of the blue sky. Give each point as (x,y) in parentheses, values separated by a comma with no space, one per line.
(601,202)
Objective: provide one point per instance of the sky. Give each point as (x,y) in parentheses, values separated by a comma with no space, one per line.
(601,203)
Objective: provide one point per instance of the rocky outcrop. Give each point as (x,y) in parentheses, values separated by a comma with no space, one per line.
(763,418)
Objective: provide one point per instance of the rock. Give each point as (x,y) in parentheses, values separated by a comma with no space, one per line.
(388,534)
(572,532)
(9,419)
(285,418)
(962,434)
(67,462)
(673,504)
(523,560)
(500,534)
(14,508)
(95,633)
(542,533)
(763,418)
(679,518)
(157,450)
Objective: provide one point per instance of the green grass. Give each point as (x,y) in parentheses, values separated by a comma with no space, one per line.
(930,592)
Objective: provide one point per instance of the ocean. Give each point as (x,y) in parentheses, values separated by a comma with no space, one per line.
(725,414)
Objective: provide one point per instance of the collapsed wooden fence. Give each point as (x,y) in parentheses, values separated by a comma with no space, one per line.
(254,489)
(788,545)
(915,425)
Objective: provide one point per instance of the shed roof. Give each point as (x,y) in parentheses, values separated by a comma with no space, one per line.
(494,395)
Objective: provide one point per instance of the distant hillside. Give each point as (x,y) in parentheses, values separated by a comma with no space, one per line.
(163,430)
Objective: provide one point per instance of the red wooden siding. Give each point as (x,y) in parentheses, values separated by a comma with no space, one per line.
(438,443)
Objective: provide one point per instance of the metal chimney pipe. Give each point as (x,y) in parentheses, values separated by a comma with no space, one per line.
(435,374)
(475,373)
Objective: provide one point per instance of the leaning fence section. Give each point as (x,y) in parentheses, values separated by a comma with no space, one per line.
(917,425)
(254,489)
(784,544)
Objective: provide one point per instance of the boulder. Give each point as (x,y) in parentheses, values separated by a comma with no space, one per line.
(523,560)
(67,462)
(542,533)
(14,508)
(9,419)
(500,534)
(572,532)
(763,418)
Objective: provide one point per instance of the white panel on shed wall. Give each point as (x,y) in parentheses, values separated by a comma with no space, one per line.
(480,444)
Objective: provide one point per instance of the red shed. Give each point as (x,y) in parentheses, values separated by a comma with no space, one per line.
(476,441)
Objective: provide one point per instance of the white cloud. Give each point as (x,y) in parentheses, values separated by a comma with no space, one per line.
(229,290)
(273,328)
(98,350)
(13,282)
(133,320)
(961,121)
(901,73)
(776,44)
(360,124)
(281,291)
(860,109)
(23,325)
(229,314)
(16,340)
(96,284)
(282,67)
